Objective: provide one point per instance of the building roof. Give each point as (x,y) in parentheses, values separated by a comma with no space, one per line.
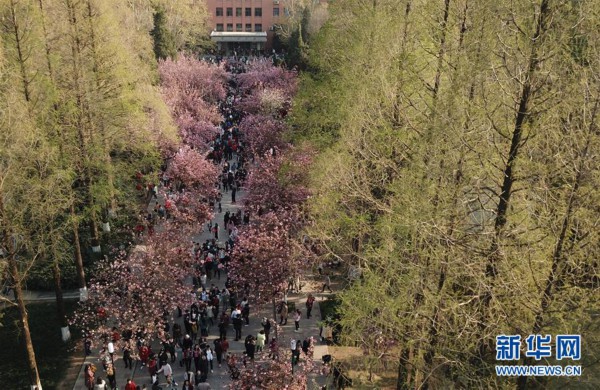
(226,36)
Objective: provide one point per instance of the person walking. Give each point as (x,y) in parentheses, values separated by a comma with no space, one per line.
(111,375)
(100,384)
(215,230)
(246,311)
(236,317)
(296,352)
(187,358)
(210,358)
(90,372)
(297,317)
(218,351)
(127,349)
(283,314)
(260,341)
(233,191)
(327,284)
(130,385)
(168,372)
(293,349)
(266,323)
(310,300)
(273,348)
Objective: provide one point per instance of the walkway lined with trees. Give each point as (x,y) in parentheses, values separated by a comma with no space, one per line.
(230,119)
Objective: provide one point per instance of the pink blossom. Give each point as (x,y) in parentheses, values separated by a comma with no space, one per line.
(193,170)
(262,132)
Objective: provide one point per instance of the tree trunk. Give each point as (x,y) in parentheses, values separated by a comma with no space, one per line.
(75,226)
(60,303)
(34,376)
(509,178)
(403,372)
(13,269)
(110,179)
(275,317)
(18,34)
(77,250)
(440,56)
(557,255)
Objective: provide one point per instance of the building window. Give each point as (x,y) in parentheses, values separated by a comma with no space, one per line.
(258,27)
(229,11)
(238,27)
(275,11)
(219,26)
(258,12)
(286,11)
(238,11)
(229,27)
(248,11)
(219,11)
(248,27)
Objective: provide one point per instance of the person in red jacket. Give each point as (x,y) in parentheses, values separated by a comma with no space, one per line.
(152,367)
(130,385)
(144,353)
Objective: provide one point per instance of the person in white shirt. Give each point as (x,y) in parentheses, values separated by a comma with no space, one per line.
(100,384)
(168,371)
(209,357)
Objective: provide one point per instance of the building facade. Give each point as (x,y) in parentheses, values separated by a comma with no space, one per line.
(245,25)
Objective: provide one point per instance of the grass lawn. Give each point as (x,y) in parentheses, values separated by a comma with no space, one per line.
(51,353)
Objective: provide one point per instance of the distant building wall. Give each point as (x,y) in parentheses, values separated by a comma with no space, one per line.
(247,16)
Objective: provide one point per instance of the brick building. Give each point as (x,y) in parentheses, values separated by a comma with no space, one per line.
(244,25)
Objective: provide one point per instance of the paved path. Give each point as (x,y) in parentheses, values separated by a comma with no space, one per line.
(219,379)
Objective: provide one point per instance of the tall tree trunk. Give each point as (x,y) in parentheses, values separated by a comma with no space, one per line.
(78,257)
(440,56)
(75,228)
(60,303)
(18,36)
(523,112)
(13,269)
(34,376)
(110,177)
(275,317)
(404,375)
(85,173)
(558,255)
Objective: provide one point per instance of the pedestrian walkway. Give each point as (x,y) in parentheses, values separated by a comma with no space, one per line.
(43,296)
(225,145)
(219,378)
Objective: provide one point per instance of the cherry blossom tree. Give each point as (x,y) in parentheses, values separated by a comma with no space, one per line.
(194,171)
(266,101)
(279,182)
(266,89)
(262,259)
(192,89)
(262,132)
(262,73)
(278,373)
(189,76)
(135,291)
(196,133)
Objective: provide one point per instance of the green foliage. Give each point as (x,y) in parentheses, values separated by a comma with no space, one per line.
(415,135)
(164,45)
